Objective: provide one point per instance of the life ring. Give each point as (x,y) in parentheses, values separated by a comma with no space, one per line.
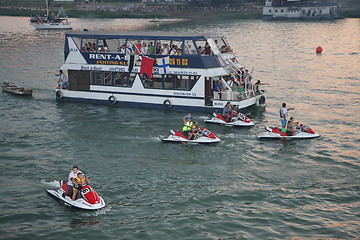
(262,100)
(167,103)
(59,94)
(112,99)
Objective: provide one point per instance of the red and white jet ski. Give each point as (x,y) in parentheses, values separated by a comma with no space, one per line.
(240,120)
(204,136)
(302,132)
(88,200)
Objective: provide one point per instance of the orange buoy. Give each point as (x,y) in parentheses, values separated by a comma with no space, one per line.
(319,50)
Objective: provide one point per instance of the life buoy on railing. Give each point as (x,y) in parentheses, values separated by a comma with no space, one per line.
(262,100)
(167,103)
(112,99)
(59,94)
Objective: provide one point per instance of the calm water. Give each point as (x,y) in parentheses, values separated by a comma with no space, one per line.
(241,188)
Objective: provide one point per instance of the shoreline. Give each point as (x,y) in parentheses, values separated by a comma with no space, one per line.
(149,10)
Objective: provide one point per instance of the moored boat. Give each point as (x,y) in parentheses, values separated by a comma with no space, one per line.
(15,89)
(50,22)
(300,10)
(176,71)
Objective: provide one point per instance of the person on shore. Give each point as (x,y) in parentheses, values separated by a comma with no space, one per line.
(80,181)
(284,115)
(63,81)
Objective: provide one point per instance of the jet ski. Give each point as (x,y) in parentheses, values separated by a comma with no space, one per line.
(88,199)
(239,120)
(202,136)
(301,132)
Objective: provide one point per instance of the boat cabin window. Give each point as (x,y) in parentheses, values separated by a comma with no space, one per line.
(180,82)
(120,79)
(110,45)
(155,82)
(189,47)
(223,45)
(169,82)
(96,78)
(108,80)
(88,45)
(175,47)
(77,42)
(112,79)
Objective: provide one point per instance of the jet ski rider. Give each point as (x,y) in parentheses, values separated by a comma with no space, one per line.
(188,126)
(80,181)
(227,112)
(72,175)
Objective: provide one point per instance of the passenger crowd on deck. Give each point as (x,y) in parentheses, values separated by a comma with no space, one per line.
(150,48)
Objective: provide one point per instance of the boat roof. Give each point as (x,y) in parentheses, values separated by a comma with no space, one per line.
(145,35)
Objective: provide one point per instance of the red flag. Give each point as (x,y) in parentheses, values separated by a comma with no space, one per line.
(147,65)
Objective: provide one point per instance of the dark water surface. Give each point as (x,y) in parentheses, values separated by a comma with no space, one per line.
(241,188)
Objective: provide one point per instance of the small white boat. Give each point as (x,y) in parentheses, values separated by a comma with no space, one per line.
(155,20)
(15,89)
(204,137)
(88,200)
(62,24)
(50,22)
(239,120)
(302,132)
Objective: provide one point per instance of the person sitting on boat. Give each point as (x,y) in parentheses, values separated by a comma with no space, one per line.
(207,50)
(193,132)
(63,81)
(188,125)
(218,86)
(72,175)
(80,181)
(290,131)
(227,112)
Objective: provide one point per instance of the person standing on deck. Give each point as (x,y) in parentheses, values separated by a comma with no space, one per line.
(284,114)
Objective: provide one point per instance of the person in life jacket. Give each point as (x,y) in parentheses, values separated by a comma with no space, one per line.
(79,182)
(188,125)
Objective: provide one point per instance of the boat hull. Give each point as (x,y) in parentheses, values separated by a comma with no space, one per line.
(47,26)
(150,101)
(14,89)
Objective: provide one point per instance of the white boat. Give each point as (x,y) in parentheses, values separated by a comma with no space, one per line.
(303,132)
(239,120)
(300,10)
(88,200)
(154,20)
(204,137)
(15,89)
(109,68)
(50,22)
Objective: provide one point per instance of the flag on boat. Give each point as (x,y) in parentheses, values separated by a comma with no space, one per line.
(147,66)
(163,64)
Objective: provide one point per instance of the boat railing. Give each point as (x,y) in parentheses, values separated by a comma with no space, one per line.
(234,68)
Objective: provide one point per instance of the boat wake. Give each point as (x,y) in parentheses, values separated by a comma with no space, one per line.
(54,184)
